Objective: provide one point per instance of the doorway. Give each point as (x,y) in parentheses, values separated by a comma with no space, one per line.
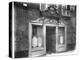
(50,39)
(46,39)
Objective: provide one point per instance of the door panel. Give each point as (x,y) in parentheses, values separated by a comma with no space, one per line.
(50,39)
(37,40)
(61,42)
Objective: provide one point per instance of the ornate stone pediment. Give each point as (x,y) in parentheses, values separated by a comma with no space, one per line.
(47,21)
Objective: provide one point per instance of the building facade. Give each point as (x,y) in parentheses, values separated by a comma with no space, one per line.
(40,29)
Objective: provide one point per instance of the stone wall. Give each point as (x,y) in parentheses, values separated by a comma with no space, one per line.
(22,17)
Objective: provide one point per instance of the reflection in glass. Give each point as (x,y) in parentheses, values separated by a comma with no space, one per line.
(61,39)
(39,41)
(34,41)
(37,36)
(61,35)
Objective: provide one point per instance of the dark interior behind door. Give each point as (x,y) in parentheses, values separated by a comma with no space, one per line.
(50,39)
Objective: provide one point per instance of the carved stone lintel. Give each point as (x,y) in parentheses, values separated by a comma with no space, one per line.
(47,21)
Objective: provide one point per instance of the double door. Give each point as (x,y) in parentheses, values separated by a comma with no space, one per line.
(45,39)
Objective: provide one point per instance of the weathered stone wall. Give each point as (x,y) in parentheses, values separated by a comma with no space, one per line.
(22,17)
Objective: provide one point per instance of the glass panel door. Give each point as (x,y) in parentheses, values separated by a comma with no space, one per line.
(61,42)
(36,40)
(61,35)
(37,37)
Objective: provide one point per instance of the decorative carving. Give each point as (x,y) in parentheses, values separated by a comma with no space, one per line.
(47,21)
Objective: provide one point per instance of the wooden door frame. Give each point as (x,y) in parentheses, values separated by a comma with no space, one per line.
(44,32)
(57,26)
(65,36)
(30,37)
